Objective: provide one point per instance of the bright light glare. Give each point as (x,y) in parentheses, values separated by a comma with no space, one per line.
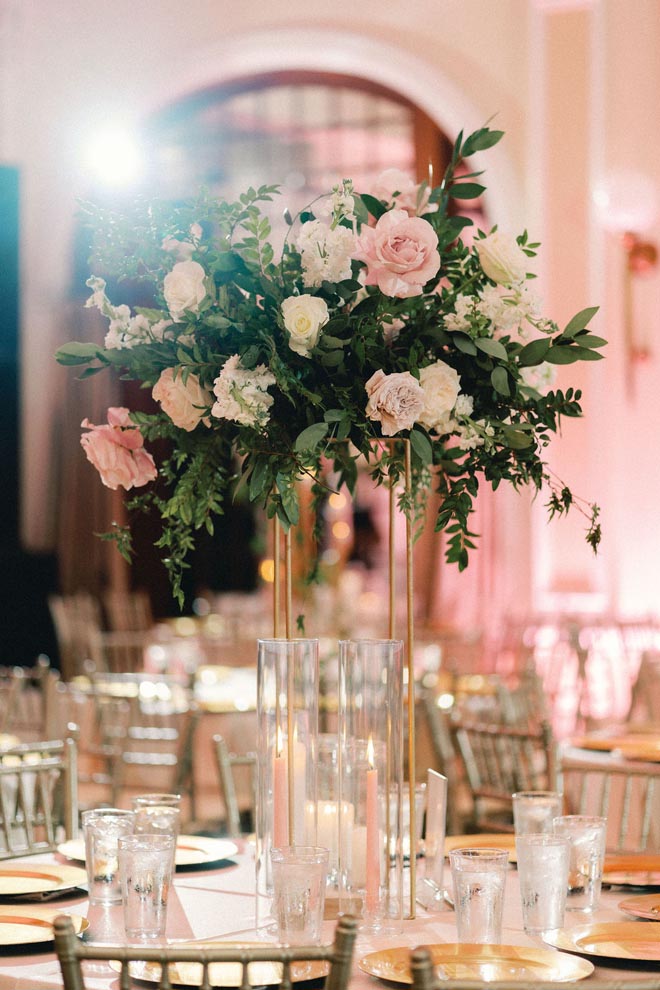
(115,156)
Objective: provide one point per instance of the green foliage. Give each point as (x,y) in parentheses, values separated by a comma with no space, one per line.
(316,416)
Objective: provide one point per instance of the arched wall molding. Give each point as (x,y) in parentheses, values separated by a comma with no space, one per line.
(324,50)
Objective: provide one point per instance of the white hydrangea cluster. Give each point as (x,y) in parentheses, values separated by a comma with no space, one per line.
(502,308)
(325,252)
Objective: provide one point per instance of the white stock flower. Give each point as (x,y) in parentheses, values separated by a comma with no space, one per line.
(463,310)
(325,252)
(502,258)
(464,405)
(304,316)
(184,289)
(441,385)
(241,394)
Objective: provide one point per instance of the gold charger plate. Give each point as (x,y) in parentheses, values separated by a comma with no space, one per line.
(191,850)
(612,939)
(644,906)
(462,961)
(23,878)
(29,926)
(225,974)
(482,840)
(632,870)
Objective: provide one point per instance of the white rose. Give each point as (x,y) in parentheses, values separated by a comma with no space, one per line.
(502,258)
(184,289)
(395,401)
(303,318)
(184,402)
(441,385)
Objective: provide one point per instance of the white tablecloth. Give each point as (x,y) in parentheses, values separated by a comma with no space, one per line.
(220,903)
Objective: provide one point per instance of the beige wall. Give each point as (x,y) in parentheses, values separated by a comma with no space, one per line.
(573,84)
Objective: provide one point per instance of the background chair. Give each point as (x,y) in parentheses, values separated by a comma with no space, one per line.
(227,764)
(75,619)
(627,794)
(38,797)
(128,611)
(27,696)
(72,952)
(499,760)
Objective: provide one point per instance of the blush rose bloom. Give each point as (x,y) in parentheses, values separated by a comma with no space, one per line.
(304,316)
(184,289)
(180,399)
(396,401)
(116,450)
(409,197)
(502,258)
(441,385)
(401,254)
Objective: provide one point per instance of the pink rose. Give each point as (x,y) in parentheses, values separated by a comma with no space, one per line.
(183,401)
(401,254)
(396,188)
(394,400)
(116,450)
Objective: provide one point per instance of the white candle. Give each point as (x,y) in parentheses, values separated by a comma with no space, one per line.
(372,844)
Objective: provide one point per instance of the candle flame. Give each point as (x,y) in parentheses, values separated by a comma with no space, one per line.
(370,753)
(431,174)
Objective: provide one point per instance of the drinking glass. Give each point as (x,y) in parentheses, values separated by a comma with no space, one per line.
(534,811)
(543,874)
(299,878)
(145,867)
(479,876)
(159,814)
(102,829)
(586,834)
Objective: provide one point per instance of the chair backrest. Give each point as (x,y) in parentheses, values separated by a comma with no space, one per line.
(227,763)
(26,700)
(117,652)
(424,977)
(627,794)
(72,952)
(645,699)
(128,611)
(76,618)
(38,797)
(498,761)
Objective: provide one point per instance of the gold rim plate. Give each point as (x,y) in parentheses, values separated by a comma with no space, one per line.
(482,841)
(22,879)
(645,906)
(29,926)
(223,974)
(191,850)
(462,961)
(612,939)
(632,869)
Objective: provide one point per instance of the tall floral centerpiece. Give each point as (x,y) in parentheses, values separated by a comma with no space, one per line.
(377,318)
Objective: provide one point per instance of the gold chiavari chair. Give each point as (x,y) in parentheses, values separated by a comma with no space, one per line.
(283,964)
(38,797)
(128,611)
(626,793)
(424,977)
(227,763)
(26,700)
(499,760)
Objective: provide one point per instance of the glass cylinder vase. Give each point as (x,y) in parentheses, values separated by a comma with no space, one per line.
(287,747)
(370,730)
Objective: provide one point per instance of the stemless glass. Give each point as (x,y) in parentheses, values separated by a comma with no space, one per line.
(543,873)
(479,877)
(586,835)
(534,811)
(102,829)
